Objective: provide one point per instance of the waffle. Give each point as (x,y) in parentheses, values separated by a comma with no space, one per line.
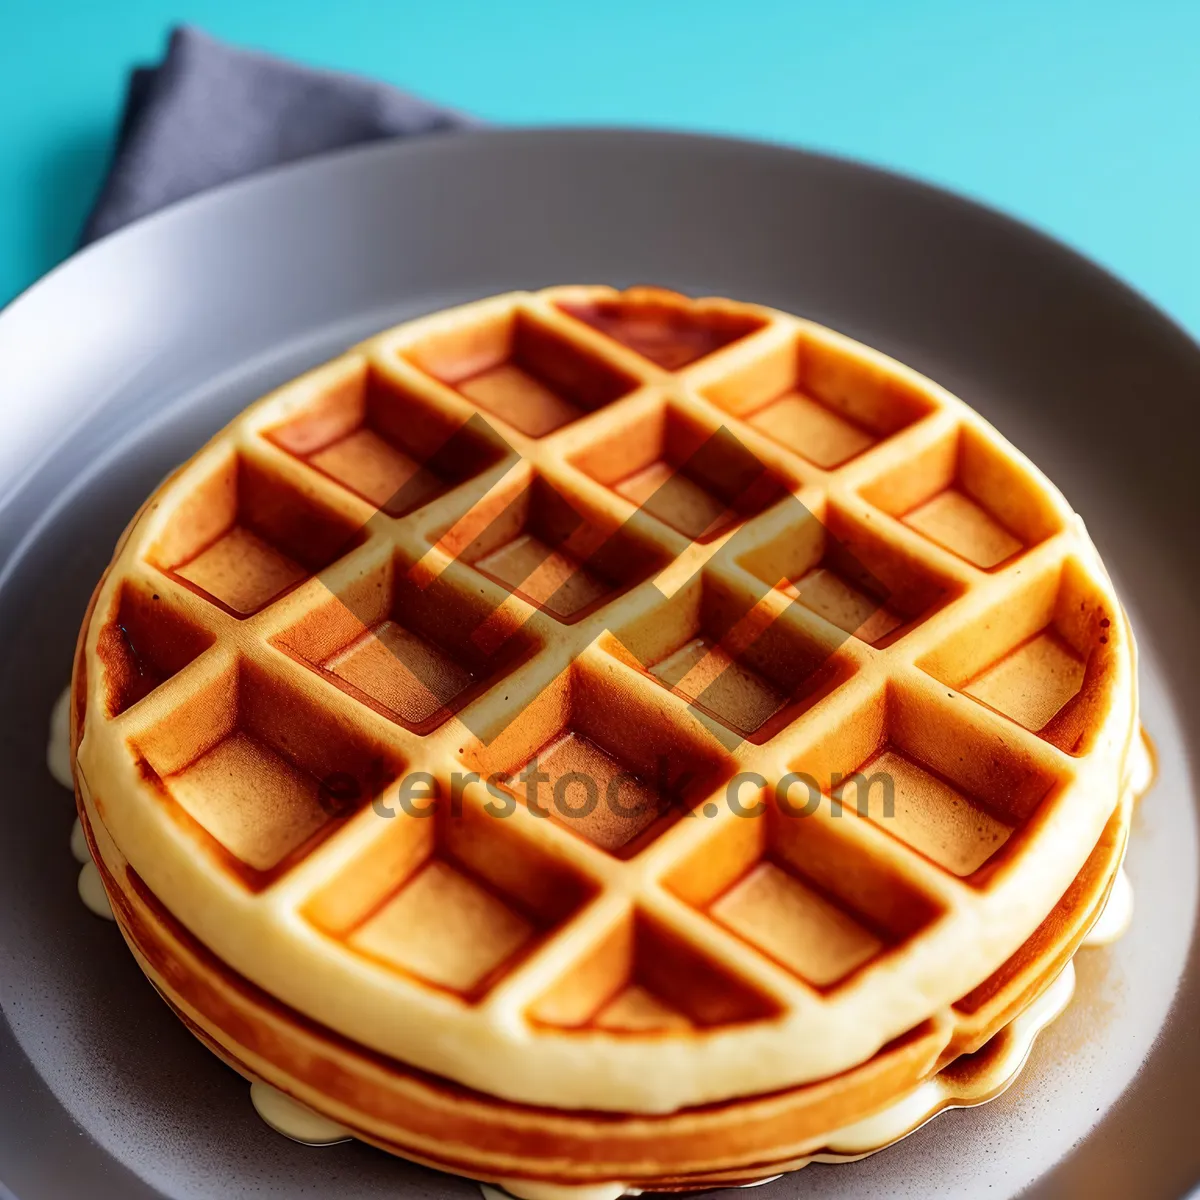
(845,669)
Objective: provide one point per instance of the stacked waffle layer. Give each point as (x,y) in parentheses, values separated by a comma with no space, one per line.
(594,739)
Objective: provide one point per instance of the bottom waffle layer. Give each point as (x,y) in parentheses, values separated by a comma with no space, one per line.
(962,1057)
(972,1081)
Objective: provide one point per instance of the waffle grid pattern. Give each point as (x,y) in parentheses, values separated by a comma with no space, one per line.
(673,900)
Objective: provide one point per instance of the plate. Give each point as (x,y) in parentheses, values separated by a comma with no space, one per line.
(120,363)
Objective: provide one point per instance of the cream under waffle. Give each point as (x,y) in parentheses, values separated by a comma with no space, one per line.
(602,739)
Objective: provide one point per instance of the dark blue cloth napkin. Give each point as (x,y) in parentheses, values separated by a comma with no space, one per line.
(209,113)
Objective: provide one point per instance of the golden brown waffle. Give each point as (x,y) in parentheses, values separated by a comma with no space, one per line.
(665,545)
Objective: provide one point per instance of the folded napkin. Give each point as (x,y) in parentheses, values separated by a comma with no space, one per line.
(209,113)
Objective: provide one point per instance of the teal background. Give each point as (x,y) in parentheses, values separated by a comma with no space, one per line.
(1080,117)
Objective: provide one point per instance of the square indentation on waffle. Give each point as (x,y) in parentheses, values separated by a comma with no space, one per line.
(450,894)
(840,567)
(415,649)
(144,642)
(732,656)
(598,752)
(1041,655)
(244,537)
(803,887)
(670,330)
(260,771)
(956,791)
(819,400)
(698,479)
(964,494)
(641,977)
(517,367)
(557,552)
(385,442)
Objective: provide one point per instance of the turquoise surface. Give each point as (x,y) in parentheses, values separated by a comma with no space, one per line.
(1080,117)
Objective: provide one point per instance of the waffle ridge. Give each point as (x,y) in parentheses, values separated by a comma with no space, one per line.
(994,818)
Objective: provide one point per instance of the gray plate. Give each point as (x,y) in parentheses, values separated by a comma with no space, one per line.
(120,363)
